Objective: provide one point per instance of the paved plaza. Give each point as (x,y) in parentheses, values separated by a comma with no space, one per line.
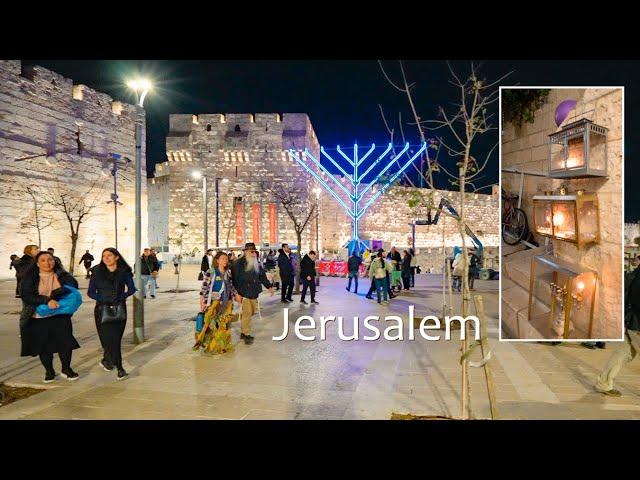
(295,379)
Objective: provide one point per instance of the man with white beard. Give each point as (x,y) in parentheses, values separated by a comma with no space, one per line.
(248,276)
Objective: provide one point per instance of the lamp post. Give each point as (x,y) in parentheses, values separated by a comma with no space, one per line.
(198,175)
(317,192)
(113,171)
(141,88)
(217,181)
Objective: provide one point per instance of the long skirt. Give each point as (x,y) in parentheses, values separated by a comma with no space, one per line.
(47,335)
(215,336)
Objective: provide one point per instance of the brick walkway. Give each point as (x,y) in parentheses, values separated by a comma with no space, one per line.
(294,379)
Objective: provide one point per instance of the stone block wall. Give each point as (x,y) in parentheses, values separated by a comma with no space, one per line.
(526,149)
(245,150)
(389,219)
(41,112)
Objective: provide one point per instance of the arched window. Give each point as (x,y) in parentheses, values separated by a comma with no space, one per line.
(209,127)
(237,129)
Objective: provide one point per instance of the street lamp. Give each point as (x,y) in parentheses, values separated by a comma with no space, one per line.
(197,175)
(140,87)
(113,171)
(317,192)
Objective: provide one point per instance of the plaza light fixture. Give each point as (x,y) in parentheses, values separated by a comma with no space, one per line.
(140,87)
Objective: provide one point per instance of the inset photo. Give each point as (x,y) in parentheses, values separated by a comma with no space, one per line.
(562,178)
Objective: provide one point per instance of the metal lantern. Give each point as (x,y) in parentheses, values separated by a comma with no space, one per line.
(571,218)
(561,299)
(579,150)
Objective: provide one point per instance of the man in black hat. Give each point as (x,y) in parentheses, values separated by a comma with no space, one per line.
(248,276)
(286,273)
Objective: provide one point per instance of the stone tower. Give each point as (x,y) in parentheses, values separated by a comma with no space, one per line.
(236,152)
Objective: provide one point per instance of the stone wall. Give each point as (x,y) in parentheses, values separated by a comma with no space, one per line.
(389,219)
(41,112)
(243,149)
(526,149)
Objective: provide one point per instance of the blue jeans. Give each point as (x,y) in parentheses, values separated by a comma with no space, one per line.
(148,279)
(381,288)
(353,276)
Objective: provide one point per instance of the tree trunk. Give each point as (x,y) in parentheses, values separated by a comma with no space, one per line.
(296,272)
(74,243)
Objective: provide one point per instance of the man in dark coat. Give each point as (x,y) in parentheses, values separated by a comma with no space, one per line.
(286,273)
(149,270)
(631,346)
(206,262)
(396,260)
(406,270)
(248,277)
(22,265)
(308,276)
(353,265)
(87,259)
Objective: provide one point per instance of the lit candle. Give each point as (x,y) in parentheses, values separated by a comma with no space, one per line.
(558,218)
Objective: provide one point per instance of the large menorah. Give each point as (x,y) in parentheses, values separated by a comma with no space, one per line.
(356,196)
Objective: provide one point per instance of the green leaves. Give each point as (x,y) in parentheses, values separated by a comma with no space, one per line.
(520,105)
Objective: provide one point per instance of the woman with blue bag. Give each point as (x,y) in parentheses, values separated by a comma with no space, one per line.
(216,305)
(49,298)
(110,285)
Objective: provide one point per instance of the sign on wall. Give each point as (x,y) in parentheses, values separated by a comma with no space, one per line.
(239,223)
(256,223)
(272,223)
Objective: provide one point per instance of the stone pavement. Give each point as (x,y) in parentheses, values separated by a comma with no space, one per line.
(295,379)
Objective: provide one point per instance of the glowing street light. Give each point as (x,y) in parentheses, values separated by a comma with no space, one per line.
(141,87)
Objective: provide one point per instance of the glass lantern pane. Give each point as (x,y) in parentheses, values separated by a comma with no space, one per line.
(563,220)
(588,215)
(575,153)
(597,151)
(542,217)
(582,296)
(557,157)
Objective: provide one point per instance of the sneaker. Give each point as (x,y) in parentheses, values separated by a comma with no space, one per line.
(304,301)
(612,393)
(313,301)
(369,297)
(69,375)
(284,301)
(385,302)
(153,296)
(347,289)
(122,374)
(107,367)
(50,377)
(290,299)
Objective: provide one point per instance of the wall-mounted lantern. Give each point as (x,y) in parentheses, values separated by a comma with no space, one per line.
(561,298)
(579,150)
(571,218)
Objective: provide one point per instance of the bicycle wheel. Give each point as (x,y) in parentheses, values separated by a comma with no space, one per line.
(515,227)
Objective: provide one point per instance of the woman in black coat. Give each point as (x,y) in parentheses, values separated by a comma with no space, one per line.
(44,284)
(107,287)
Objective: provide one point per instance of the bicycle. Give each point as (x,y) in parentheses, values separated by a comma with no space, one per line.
(515,226)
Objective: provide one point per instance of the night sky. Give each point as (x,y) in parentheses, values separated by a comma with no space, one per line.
(342,96)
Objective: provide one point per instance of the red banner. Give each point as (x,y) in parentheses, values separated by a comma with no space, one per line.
(239,224)
(256,223)
(272,222)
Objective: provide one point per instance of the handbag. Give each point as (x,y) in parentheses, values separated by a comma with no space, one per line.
(201,276)
(113,313)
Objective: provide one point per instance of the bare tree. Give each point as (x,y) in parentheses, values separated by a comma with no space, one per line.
(294,199)
(39,218)
(469,119)
(76,206)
